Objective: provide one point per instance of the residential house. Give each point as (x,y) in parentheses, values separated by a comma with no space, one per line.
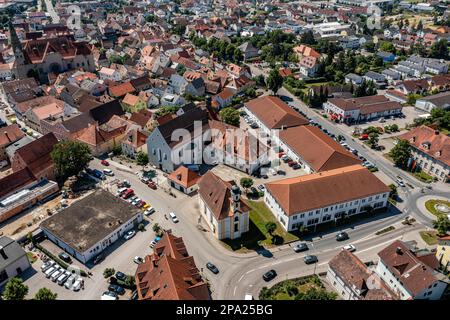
(132,103)
(169,273)
(223,99)
(378,79)
(135,141)
(222,207)
(443,252)
(248,51)
(439,100)
(9,135)
(430,151)
(410,273)
(353,280)
(109,74)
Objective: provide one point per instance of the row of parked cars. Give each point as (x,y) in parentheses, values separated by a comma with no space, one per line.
(249,120)
(59,275)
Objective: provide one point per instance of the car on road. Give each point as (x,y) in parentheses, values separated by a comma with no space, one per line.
(269,275)
(301,247)
(108,295)
(349,247)
(211,267)
(173,216)
(116,289)
(65,257)
(309,259)
(121,276)
(400,183)
(341,236)
(104,163)
(138,260)
(130,234)
(108,172)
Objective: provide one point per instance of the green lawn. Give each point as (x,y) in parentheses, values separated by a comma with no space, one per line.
(423,176)
(257,237)
(429,237)
(299,288)
(430,205)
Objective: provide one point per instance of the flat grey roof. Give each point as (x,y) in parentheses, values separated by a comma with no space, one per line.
(11,252)
(90,220)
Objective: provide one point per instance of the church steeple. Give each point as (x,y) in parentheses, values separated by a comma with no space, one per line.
(15,44)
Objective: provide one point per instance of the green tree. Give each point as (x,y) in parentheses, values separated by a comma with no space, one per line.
(117,150)
(15,289)
(70,157)
(308,38)
(387,47)
(270,227)
(156,228)
(439,49)
(141,227)
(442,224)
(230,116)
(165,110)
(401,153)
(260,81)
(316,294)
(373,140)
(246,183)
(141,158)
(394,191)
(45,294)
(274,81)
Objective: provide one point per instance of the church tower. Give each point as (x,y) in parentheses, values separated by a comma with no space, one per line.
(17,49)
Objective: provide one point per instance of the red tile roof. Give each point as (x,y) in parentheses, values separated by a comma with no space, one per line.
(184,177)
(170,273)
(121,89)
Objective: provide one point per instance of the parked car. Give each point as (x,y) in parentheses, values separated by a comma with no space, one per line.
(65,257)
(108,172)
(173,216)
(104,162)
(138,260)
(309,259)
(55,275)
(211,267)
(130,234)
(108,295)
(49,271)
(121,276)
(77,284)
(153,243)
(152,185)
(62,278)
(281,172)
(269,275)
(116,289)
(349,247)
(296,166)
(132,198)
(261,187)
(136,201)
(69,282)
(301,247)
(47,265)
(341,236)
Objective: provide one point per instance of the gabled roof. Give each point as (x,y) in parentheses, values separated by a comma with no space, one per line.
(274,113)
(10,134)
(170,273)
(104,112)
(184,177)
(319,190)
(317,149)
(14,181)
(121,89)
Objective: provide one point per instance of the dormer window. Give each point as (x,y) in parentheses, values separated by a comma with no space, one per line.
(426,145)
(438,153)
(413,139)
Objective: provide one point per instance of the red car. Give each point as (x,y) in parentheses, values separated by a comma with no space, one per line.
(152,185)
(104,162)
(292,163)
(280,154)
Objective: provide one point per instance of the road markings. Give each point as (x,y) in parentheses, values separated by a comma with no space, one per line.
(380,244)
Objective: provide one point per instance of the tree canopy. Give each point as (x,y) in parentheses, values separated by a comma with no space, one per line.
(274,81)
(401,153)
(70,158)
(230,116)
(15,289)
(45,294)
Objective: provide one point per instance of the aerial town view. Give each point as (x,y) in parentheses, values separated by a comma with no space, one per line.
(224,150)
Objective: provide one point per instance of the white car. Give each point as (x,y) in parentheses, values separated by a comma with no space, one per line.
(69,282)
(173,216)
(108,172)
(138,260)
(349,247)
(149,211)
(49,271)
(129,235)
(56,274)
(47,265)
(136,201)
(108,295)
(153,243)
(77,284)
(248,296)
(400,183)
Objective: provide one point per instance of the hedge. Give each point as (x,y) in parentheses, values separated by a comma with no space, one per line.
(57,259)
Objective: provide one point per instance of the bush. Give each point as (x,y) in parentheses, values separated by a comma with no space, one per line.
(128,283)
(141,227)
(108,272)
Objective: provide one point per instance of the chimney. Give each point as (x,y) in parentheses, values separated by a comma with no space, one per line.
(3,253)
(7,136)
(399,251)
